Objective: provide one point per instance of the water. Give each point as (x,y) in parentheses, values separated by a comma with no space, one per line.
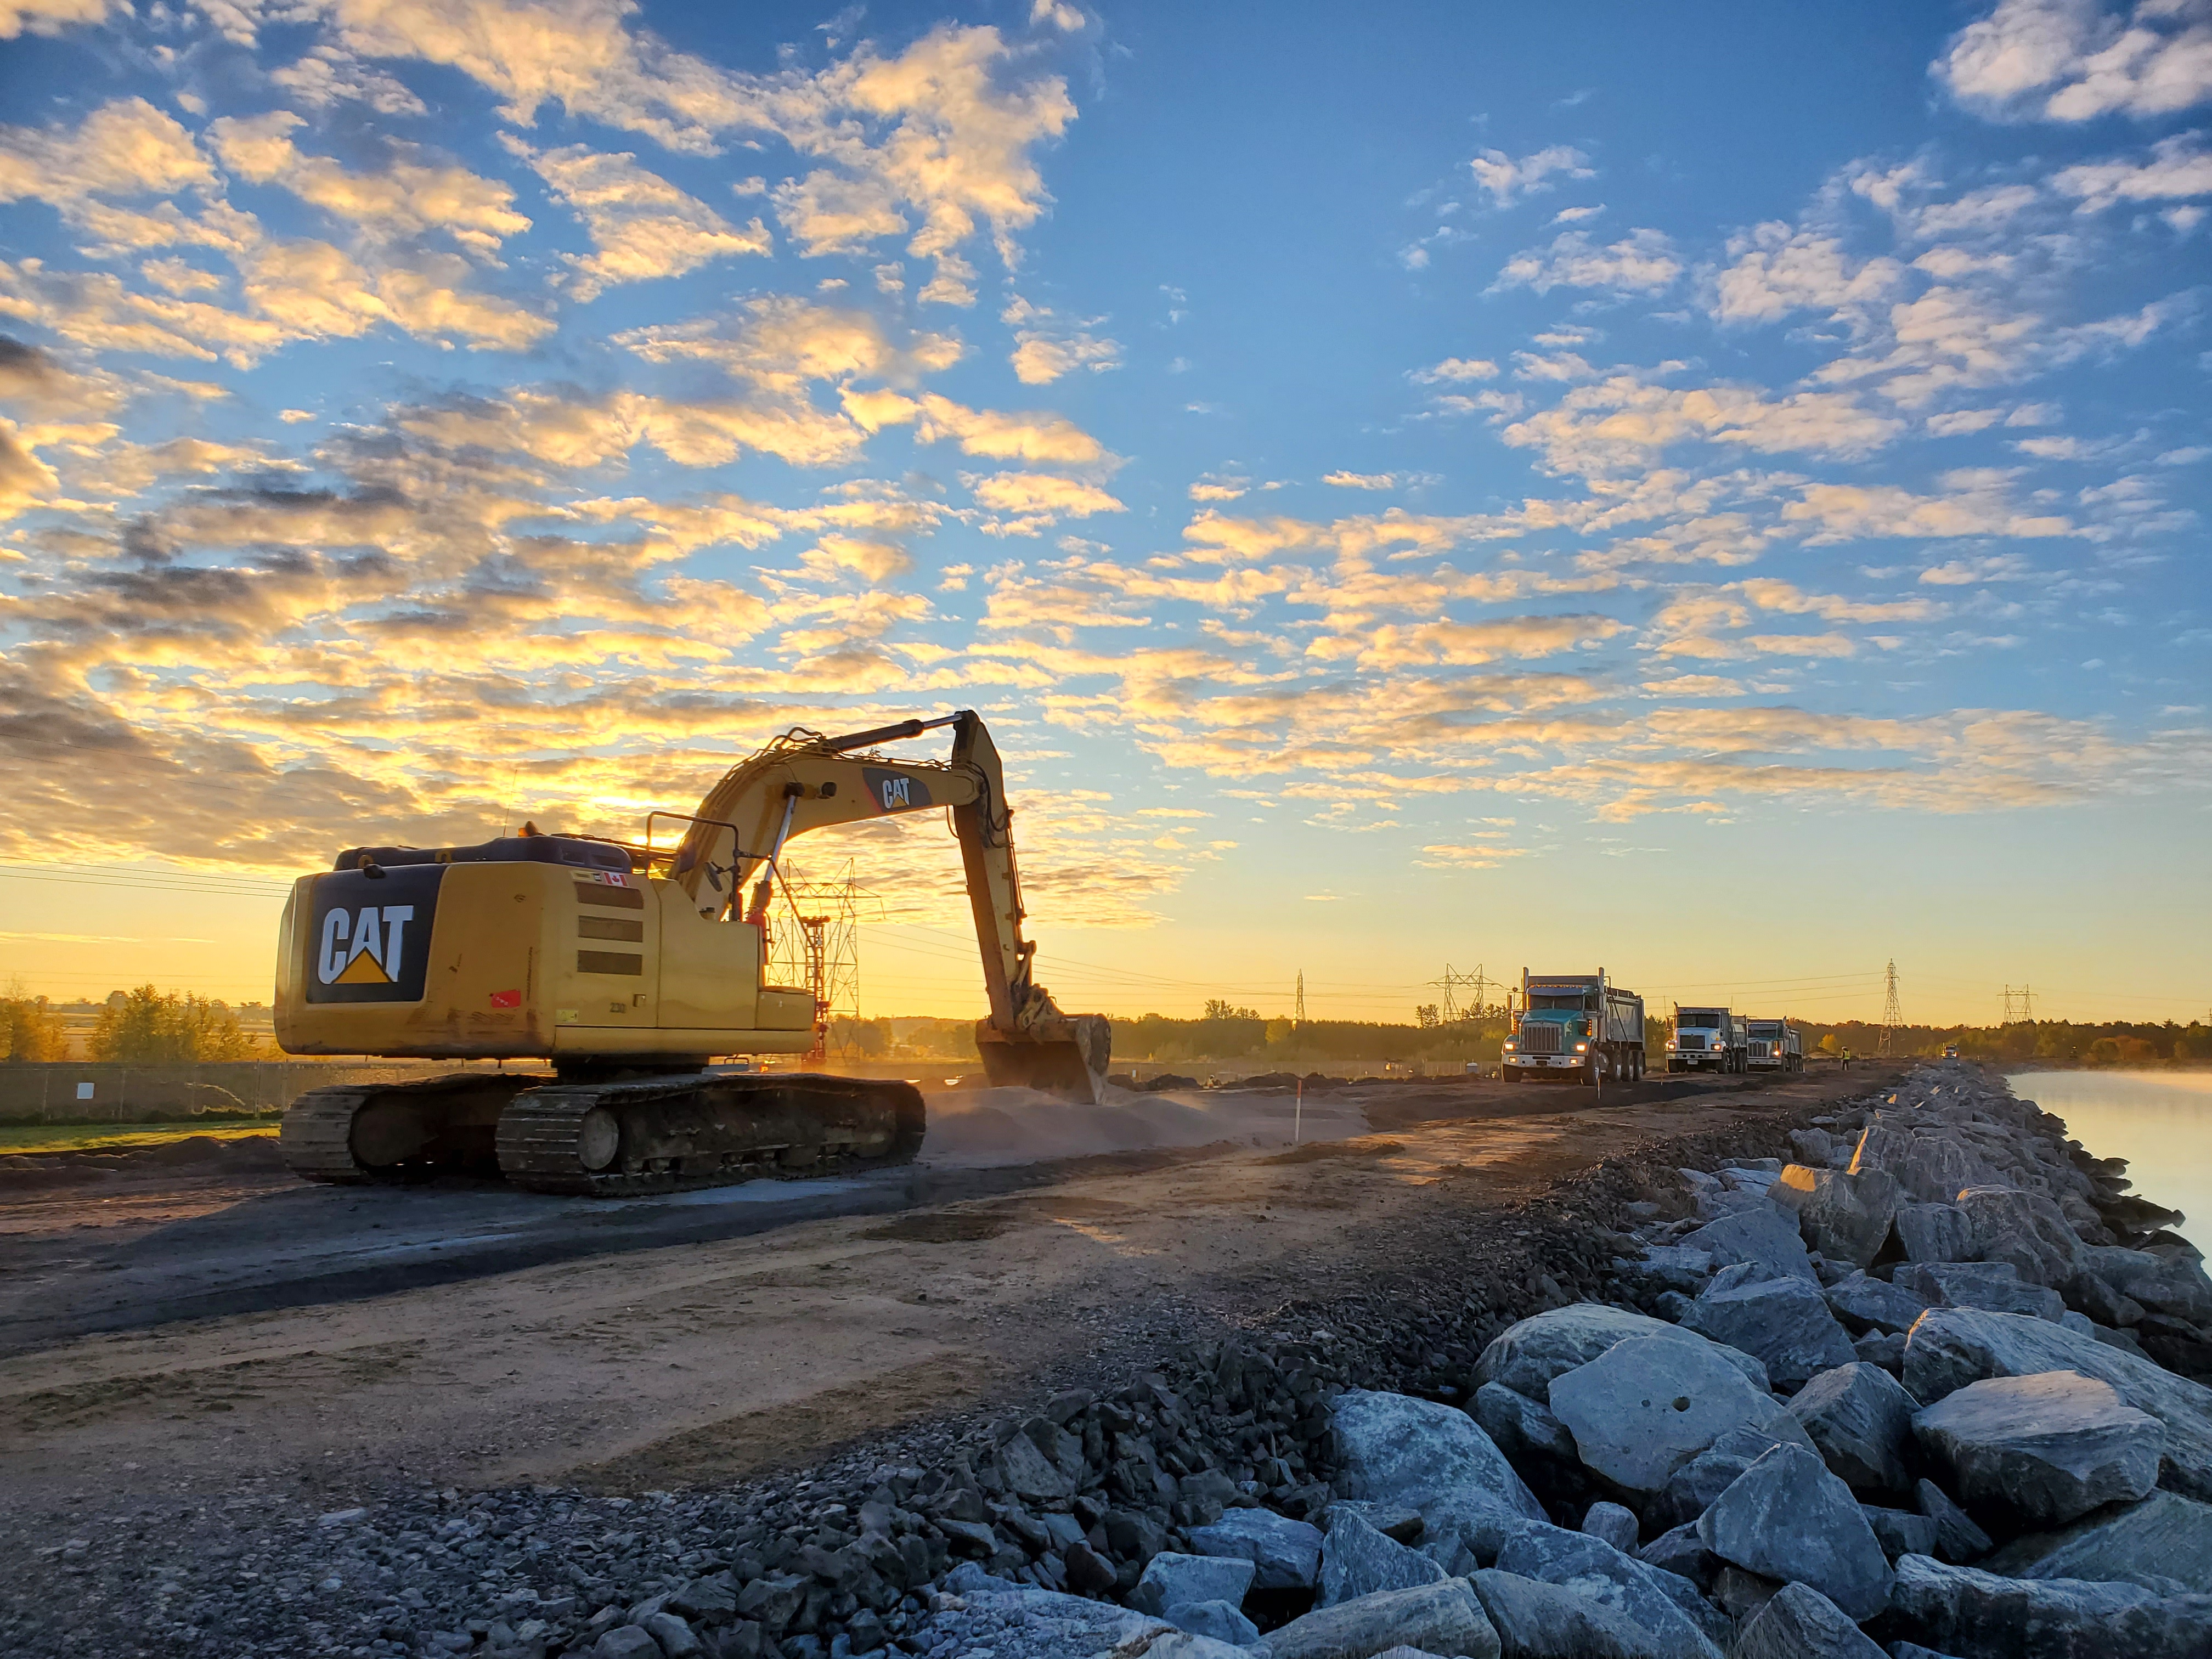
(2159,1122)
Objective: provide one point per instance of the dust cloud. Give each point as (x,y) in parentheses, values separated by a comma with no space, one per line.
(975,1128)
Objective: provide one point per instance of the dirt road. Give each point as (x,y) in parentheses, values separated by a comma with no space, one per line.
(680,1341)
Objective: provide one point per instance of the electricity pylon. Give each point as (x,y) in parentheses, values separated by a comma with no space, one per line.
(1892,1015)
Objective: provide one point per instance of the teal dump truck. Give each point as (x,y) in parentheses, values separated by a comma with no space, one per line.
(1574,1028)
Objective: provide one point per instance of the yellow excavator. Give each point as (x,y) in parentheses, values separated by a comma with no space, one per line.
(629,967)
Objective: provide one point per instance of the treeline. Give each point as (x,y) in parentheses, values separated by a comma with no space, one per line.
(142,1027)
(2109,1043)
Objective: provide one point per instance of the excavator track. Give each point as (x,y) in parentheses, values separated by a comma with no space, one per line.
(371,1133)
(668,1134)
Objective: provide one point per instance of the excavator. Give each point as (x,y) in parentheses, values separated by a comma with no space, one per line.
(626,968)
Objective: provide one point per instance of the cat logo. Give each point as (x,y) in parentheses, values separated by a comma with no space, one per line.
(364,948)
(895,791)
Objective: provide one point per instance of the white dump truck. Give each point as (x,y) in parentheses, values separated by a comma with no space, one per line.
(1773,1045)
(1576,1028)
(1705,1040)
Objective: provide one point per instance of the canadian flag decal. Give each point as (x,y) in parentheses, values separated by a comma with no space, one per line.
(506,999)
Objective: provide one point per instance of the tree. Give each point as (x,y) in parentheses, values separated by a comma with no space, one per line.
(1426,1017)
(1220,1008)
(29,1030)
(147,1027)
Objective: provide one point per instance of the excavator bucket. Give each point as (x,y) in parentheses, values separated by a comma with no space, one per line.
(1065,1056)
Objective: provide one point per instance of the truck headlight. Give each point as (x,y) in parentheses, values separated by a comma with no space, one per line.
(1581,1048)
(1510,1047)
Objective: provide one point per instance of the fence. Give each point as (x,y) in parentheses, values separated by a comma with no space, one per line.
(67,1090)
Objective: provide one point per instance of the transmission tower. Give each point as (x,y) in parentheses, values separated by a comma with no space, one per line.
(1300,1018)
(1893,1016)
(819,946)
(2018,1005)
(1451,1010)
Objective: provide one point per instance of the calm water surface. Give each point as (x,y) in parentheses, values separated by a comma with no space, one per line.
(2159,1122)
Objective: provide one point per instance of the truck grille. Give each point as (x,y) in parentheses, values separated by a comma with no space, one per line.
(1542,1038)
(1759,1051)
(1691,1040)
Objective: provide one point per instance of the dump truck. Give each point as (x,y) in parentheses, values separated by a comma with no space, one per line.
(1772,1045)
(1574,1028)
(616,971)
(1705,1040)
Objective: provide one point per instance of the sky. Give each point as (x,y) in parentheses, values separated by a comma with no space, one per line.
(1715,492)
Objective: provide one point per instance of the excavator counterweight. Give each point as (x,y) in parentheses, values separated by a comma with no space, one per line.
(627,969)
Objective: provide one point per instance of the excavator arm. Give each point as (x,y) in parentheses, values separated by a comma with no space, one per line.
(803,782)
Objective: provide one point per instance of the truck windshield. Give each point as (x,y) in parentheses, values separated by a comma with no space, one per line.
(1573,1001)
(1698,1015)
(1766,1028)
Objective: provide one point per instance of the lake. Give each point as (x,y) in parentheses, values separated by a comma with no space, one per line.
(2159,1122)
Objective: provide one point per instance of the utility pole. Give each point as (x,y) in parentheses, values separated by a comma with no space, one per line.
(2018,1005)
(1893,1016)
(1300,1018)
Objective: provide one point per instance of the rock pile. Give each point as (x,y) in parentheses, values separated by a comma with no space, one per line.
(1802,1405)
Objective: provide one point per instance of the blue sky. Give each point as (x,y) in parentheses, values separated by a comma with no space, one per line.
(1715,493)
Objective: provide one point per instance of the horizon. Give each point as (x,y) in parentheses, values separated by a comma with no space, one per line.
(1450,492)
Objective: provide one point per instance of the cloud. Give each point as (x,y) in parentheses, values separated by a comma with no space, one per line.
(1975,503)
(328,76)
(780,342)
(1219,489)
(1034,501)
(19,17)
(1000,436)
(1454,369)
(1777,269)
(2069,60)
(125,147)
(641,227)
(406,199)
(1466,644)
(1361,480)
(1046,348)
(1642,262)
(2179,167)
(1508,180)
(1621,421)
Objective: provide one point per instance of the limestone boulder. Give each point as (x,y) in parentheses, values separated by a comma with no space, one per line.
(2025,1229)
(1356,1560)
(1787,1518)
(2166,1539)
(1647,1406)
(1859,1417)
(2050,1447)
(1536,1620)
(1931,1167)
(1170,1579)
(1617,1526)
(1526,1356)
(1761,1233)
(1670,1610)
(2093,1296)
(1933,1232)
(1951,1347)
(1284,1554)
(1224,1621)
(1865,1303)
(1846,1217)
(1675,1266)
(1443,1617)
(2173,1284)
(1393,1446)
(1700,1481)
(1521,1427)
(1972,1614)
(1900,1532)
(1679,1551)
(1958,1540)
(1798,1622)
(1994,1286)
(1784,1323)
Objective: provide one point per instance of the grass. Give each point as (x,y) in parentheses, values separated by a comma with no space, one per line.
(18,1139)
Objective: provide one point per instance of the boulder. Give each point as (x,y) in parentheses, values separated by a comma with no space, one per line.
(1442,1619)
(1391,1446)
(1698,1482)
(1900,1532)
(1536,1620)
(1865,1303)
(1286,1554)
(1356,1560)
(1814,1146)
(1682,1553)
(1170,1579)
(1951,1347)
(1171,1644)
(1224,1621)
(1787,1518)
(1521,1427)
(1958,1540)
(2167,1538)
(1676,1267)
(1933,1232)
(1931,1167)
(2173,1284)
(1647,1406)
(2025,1229)
(1846,1217)
(1763,1234)
(1859,1418)
(1670,1610)
(1784,1323)
(1978,1615)
(1798,1622)
(2050,1447)
(1615,1525)
(1526,1356)
(2091,1294)
(1995,1287)
(1882,1348)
